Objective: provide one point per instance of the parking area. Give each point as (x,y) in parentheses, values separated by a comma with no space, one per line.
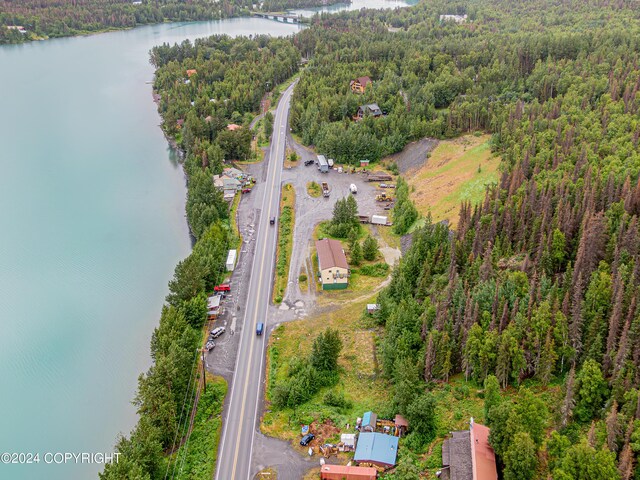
(312,210)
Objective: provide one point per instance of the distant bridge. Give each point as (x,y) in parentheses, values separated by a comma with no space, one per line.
(280,17)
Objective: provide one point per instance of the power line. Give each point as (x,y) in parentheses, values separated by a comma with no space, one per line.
(184,402)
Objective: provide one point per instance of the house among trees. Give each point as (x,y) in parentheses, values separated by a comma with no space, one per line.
(332,262)
(372,109)
(233,127)
(467,455)
(376,449)
(191,72)
(360,84)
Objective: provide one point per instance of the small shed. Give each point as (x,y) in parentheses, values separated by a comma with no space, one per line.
(323,164)
(231,260)
(191,71)
(402,425)
(342,472)
(364,163)
(369,421)
(372,308)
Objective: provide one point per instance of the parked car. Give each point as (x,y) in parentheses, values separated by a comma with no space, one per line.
(216,332)
(246,190)
(307,439)
(309,162)
(272,221)
(260,328)
(210,345)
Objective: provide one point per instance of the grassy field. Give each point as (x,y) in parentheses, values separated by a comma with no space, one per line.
(359,380)
(458,170)
(285,241)
(197,458)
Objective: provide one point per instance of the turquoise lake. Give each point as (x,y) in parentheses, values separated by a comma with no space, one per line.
(91,226)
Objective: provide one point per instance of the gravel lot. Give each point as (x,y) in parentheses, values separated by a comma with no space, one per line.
(310,211)
(414,155)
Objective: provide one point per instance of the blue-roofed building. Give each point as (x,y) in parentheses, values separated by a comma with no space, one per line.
(377,449)
(369,420)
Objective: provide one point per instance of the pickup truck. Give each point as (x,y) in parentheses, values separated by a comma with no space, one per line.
(325,189)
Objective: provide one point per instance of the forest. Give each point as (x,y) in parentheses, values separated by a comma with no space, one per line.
(538,285)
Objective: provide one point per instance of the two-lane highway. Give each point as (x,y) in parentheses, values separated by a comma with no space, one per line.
(234,459)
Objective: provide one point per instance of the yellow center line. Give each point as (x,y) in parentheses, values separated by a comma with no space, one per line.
(255,316)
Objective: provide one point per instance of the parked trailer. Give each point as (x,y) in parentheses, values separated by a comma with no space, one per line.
(325,189)
(379,219)
(323,165)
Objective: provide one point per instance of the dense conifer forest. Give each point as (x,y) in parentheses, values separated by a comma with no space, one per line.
(538,285)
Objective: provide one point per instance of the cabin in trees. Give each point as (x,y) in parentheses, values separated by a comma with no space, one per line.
(360,84)
(233,127)
(332,263)
(372,109)
(191,72)
(376,449)
(467,455)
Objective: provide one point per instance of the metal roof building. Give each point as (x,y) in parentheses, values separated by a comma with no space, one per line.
(377,448)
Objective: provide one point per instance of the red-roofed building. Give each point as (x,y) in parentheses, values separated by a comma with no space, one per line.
(483,458)
(360,84)
(192,71)
(467,455)
(341,472)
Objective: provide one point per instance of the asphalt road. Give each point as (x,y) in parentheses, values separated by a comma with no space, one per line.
(236,446)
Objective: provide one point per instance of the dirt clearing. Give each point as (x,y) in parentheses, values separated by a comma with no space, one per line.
(458,170)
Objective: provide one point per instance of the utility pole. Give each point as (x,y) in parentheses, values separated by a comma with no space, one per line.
(204,374)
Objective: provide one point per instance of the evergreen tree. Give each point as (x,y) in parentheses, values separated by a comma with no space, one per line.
(521,458)
(591,391)
(370,248)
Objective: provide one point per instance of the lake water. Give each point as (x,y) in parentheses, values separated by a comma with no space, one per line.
(91,226)
(354,5)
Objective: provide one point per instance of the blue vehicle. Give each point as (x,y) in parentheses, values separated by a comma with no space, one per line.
(260,328)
